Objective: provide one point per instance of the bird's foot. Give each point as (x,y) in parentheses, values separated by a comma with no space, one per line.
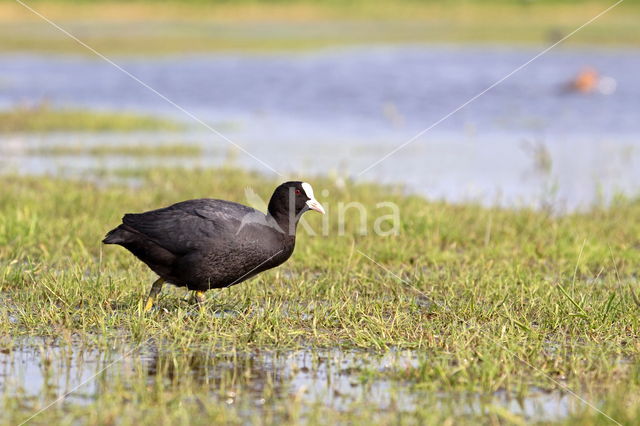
(149,305)
(153,294)
(199,299)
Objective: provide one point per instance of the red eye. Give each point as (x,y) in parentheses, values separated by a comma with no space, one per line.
(298,192)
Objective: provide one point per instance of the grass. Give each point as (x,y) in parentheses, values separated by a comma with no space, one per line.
(485,300)
(137,150)
(42,118)
(165,27)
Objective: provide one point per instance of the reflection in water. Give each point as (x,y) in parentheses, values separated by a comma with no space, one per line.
(42,370)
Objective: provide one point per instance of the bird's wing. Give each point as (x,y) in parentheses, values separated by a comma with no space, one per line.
(190,225)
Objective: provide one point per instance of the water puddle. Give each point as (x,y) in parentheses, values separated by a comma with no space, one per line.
(41,370)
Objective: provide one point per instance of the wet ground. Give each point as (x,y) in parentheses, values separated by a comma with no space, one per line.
(525,142)
(42,370)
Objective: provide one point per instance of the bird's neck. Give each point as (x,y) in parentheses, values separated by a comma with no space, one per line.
(286,221)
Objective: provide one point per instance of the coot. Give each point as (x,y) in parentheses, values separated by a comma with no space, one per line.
(207,243)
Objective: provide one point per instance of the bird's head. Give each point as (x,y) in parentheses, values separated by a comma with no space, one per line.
(292,199)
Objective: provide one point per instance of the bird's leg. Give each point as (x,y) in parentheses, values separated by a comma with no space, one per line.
(155,290)
(199,298)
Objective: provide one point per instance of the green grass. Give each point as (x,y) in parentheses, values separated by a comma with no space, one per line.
(42,118)
(487,300)
(135,150)
(169,27)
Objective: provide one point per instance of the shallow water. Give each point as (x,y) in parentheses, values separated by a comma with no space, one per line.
(525,142)
(42,370)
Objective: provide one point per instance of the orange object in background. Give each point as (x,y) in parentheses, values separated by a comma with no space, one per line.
(586,81)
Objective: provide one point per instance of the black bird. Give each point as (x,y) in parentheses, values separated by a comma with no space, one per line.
(206,243)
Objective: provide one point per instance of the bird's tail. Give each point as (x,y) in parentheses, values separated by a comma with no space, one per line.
(115,236)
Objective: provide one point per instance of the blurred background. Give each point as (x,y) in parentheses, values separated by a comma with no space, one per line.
(333,87)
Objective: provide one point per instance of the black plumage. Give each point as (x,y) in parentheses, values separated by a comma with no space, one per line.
(208,243)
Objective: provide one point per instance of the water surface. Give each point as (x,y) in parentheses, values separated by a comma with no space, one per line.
(525,142)
(39,371)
